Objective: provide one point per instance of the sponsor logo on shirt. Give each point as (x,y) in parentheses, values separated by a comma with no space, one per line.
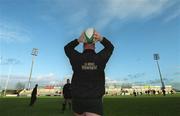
(89,66)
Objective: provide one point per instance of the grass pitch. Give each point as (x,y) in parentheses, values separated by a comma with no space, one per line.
(113,106)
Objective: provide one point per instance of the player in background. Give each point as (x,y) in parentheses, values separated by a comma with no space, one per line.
(67,95)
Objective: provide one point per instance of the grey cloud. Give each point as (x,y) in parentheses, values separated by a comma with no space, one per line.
(125,10)
(9,61)
(11,33)
(108,10)
(137,75)
(176,74)
(125,79)
(42,80)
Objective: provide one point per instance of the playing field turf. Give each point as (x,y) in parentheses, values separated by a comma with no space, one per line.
(113,106)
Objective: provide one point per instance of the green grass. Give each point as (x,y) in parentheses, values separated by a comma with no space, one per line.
(113,106)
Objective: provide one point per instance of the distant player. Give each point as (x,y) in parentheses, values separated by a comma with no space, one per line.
(134,93)
(33,95)
(172,92)
(164,92)
(88,81)
(67,95)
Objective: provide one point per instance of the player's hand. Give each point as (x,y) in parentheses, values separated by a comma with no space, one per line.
(81,38)
(97,36)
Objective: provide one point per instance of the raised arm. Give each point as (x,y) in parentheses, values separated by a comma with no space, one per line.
(108,49)
(70,48)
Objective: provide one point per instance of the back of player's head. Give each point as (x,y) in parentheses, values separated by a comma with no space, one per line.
(68,80)
(87,46)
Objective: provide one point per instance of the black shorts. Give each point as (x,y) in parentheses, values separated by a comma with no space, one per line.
(87,105)
(67,97)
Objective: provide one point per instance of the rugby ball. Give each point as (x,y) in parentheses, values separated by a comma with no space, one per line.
(89,33)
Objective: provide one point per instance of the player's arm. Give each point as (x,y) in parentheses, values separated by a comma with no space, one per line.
(108,46)
(63,92)
(70,47)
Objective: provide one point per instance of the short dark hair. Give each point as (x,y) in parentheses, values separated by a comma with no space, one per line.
(68,80)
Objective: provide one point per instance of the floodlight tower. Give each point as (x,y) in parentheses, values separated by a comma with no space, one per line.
(34,53)
(0,70)
(156,58)
(10,62)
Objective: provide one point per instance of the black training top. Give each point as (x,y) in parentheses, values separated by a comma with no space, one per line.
(67,90)
(34,92)
(88,79)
